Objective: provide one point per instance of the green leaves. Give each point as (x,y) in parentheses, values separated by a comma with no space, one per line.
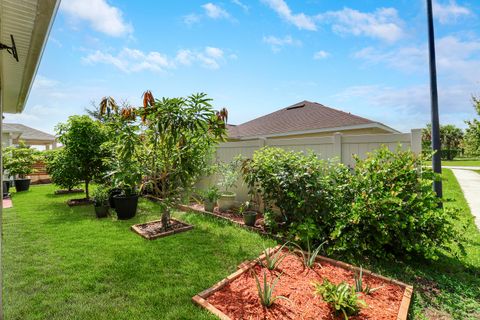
(342,298)
(19,160)
(265,290)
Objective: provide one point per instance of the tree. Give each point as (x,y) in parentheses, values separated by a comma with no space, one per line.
(450,136)
(62,169)
(19,160)
(472,133)
(179,137)
(82,138)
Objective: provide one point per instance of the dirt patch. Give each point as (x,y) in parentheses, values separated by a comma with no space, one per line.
(238,299)
(79,202)
(64,191)
(231,215)
(154,229)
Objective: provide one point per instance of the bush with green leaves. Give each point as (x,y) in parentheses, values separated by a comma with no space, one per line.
(18,160)
(391,209)
(342,298)
(300,185)
(62,170)
(82,139)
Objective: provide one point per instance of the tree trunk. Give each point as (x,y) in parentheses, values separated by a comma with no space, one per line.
(86,189)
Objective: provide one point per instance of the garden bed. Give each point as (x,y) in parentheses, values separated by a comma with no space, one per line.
(153,229)
(236,296)
(229,215)
(79,202)
(63,191)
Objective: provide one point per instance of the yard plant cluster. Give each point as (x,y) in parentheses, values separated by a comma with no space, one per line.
(385,207)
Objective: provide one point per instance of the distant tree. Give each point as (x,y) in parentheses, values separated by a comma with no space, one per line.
(451,138)
(82,139)
(472,133)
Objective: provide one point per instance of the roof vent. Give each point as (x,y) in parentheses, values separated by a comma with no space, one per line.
(298,106)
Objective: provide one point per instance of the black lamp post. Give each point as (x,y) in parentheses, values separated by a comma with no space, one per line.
(436,145)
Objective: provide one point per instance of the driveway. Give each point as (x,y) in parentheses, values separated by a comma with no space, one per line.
(470,183)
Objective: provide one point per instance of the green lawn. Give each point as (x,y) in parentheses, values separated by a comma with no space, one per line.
(458,162)
(62,263)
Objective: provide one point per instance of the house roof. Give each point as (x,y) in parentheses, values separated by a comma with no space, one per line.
(29,22)
(302,117)
(27,133)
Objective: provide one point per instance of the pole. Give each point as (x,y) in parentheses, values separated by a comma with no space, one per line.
(436,145)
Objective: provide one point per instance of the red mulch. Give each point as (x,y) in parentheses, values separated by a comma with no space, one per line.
(155,228)
(79,202)
(239,299)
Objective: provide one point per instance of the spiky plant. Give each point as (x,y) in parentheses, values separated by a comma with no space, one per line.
(273,259)
(309,257)
(358,279)
(265,290)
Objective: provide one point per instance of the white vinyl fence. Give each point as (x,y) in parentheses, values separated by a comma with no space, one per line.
(338,146)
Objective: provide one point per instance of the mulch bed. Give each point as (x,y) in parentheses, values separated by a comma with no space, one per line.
(236,296)
(79,202)
(63,191)
(230,215)
(154,229)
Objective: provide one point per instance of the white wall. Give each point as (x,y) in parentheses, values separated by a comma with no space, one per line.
(338,146)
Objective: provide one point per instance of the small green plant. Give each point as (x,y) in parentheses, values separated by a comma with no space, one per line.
(273,260)
(342,298)
(100,196)
(211,194)
(358,279)
(19,160)
(229,174)
(265,290)
(309,257)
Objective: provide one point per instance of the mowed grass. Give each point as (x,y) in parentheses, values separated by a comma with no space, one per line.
(458,162)
(63,263)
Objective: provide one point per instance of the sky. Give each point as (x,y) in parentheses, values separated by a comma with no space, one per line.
(366,57)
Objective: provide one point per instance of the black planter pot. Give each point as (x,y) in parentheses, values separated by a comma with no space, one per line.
(125,206)
(249,218)
(22,184)
(113,193)
(6,187)
(101,211)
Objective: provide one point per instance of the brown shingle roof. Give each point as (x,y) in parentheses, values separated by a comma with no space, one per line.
(302,116)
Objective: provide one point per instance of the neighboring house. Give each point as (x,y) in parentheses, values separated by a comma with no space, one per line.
(305,119)
(12,133)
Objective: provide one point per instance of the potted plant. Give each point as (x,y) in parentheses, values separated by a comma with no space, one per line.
(19,161)
(210,197)
(229,174)
(127,174)
(100,202)
(249,215)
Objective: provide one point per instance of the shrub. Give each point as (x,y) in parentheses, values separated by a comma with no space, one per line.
(300,185)
(61,169)
(19,160)
(342,298)
(392,209)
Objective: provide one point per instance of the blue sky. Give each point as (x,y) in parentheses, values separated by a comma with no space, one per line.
(254,57)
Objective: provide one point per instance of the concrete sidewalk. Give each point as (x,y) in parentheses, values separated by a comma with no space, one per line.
(470,183)
(461,167)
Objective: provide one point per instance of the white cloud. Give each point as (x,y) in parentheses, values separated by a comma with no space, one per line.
(133,60)
(101,16)
(300,20)
(383,24)
(456,58)
(215,12)
(191,18)
(449,12)
(241,5)
(277,43)
(321,55)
